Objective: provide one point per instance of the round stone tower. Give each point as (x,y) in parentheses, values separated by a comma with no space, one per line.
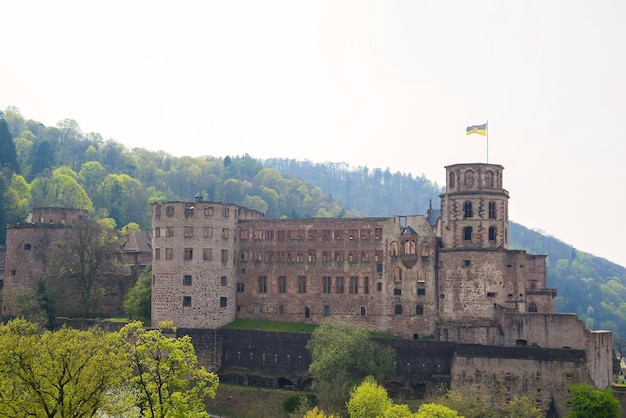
(474,208)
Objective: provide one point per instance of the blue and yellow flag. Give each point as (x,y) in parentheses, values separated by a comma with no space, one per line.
(477,129)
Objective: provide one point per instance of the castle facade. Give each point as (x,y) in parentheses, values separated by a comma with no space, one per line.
(448,275)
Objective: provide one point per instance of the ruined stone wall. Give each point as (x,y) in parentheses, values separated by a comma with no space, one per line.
(359,270)
(503,373)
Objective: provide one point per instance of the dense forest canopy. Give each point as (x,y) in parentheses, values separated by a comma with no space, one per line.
(63,166)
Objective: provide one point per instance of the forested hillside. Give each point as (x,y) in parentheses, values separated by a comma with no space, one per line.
(63,166)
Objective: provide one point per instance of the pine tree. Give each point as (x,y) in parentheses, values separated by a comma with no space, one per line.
(8,154)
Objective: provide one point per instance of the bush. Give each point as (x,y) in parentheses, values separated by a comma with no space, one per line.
(292,403)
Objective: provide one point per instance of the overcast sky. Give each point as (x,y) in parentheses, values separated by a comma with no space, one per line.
(381,84)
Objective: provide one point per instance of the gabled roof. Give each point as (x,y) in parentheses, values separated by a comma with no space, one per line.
(408,231)
(136,242)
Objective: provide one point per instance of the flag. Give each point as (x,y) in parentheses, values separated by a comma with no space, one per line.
(477,129)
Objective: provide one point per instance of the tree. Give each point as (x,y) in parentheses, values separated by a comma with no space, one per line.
(17,198)
(167,378)
(139,297)
(37,305)
(469,406)
(341,356)
(83,258)
(66,373)
(433,410)
(8,154)
(368,400)
(42,159)
(522,407)
(585,401)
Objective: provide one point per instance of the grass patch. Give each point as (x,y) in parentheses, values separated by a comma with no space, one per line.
(277,326)
(235,401)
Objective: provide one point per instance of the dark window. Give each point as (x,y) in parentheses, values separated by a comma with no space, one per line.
(188,231)
(421,291)
(157,253)
(223,302)
(451,181)
(366,285)
(240,287)
(492,210)
(188,254)
(326,310)
(492,233)
(224,255)
(419,310)
(467,210)
(467,233)
(362,310)
(378,233)
(301,284)
(223,281)
(398,309)
(491,294)
(307,312)
(339,283)
(397,291)
(469,178)
(282,284)
(207,254)
(379,287)
(186,280)
(354,285)
(186,300)
(262,284)
(281,309)
(532,307)
(489,178)
(326,283)
(169,231)
(467,263)
(169,211)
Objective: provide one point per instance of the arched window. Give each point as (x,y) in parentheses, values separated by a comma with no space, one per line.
(532,307)
(489,178)
(397,274)
(394,249)
(467,210)
(469,178)
(452,181)
(492,210)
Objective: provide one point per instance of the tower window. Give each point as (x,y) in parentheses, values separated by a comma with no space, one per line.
(223,302)
(27,247)
(532,307)
(467,233)
(419,310)
(452,181)
(186,300)
(469,178)
(467,210)
(398,309)
(489,178)
(492,210)
(492,233)
(186,280)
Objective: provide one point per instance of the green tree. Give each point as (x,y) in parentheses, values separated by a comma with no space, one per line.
(522,407)
(470,406)
(60,190)
(433,410)
(8,154)
(368,400)
(139,298)
(585,401)
(167,378)
(341,356)
(66,373)
(42,159)
(17,199)
(37,305)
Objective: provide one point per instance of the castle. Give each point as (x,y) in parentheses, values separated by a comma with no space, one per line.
(448,275)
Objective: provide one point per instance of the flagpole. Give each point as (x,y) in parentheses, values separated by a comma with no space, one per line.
(487,131)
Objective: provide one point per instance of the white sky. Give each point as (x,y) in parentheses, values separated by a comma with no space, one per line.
(382,84)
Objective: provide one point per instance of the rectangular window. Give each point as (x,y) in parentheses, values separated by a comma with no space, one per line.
(491,294)
(169,231)
(352,257)
(419,310)
(421,291)
(339,283)
(379,287)
(169,253)
(187,280)
(362,310)
(365,257)
(354,285)
(378,256)
(157,253)
(301,284)
(257,235)
(325,256)
(157,232)
(223,302)
(326,284)
(492,210)
(312,235)
(398,309)
(326,310)
(338,256)
(169,211)
(300,256)
(225,211)
(188,254)
(338,234)
(282,284)
(157,212)
(326,234)
(207,232)
(467,233)
(353,234)
(366,234)
(256,309)
(186,300)
(397,291)
(281,309)
(312,256)
(492,233)
(307,312)
(281,234)
(366,285)
(188,231)
(223,281)
(207,254)
(224,255)
(280,256)
(269,256)
(225,233)
(257,256)
(208,211)
(244,234)
(262,284)
(378,233)
(269,235)
(240,287)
